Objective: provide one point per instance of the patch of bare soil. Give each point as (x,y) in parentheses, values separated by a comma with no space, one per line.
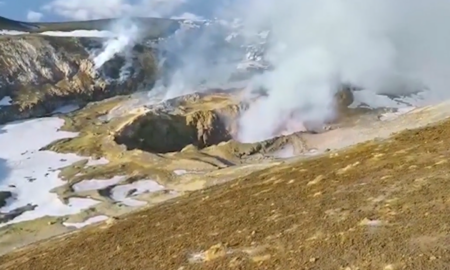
(382,204)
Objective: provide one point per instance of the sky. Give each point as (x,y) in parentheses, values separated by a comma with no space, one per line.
(18,9)
(62,10)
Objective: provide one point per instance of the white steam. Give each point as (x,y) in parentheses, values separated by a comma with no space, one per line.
(391,47)
(200,58)
(125,35)
(384,46)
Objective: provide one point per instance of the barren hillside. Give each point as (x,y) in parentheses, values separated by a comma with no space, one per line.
(376,205)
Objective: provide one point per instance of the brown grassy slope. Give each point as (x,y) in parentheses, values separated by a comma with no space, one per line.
(378,205)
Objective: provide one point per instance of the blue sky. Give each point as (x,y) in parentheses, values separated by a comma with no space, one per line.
(66,9)
(58,10)
(18,9)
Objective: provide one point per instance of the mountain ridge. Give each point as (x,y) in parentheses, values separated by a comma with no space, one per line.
(152,27)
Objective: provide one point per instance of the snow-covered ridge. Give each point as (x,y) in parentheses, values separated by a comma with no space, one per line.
(76,33)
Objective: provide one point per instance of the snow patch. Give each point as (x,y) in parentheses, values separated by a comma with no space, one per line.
(31,174)
(66,109)
(180,172)
(6,101)
(79,33)
(393,115)
(12,32)
(367,98)
(97,162)
(96,184)
(87,222)
(76,33)
(121,193)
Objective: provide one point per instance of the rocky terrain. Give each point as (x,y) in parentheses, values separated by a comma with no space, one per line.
(172,188)
(42,73)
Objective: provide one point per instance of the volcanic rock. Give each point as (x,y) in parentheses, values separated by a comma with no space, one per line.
(38,74)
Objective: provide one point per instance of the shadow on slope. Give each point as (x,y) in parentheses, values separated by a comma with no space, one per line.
(4,194)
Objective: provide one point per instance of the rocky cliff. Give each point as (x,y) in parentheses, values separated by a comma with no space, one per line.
(38,74)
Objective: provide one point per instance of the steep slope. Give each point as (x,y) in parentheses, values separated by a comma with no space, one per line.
(38,74)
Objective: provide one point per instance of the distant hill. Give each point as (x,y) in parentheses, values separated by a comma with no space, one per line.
(154,27)
(8,24)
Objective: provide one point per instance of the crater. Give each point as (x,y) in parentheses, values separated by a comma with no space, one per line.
(165,132)
(201,121)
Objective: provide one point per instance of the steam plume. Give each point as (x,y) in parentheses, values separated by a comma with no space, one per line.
(386,47)
(125,35)
(391,47)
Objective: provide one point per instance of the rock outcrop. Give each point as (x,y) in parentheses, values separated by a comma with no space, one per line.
(38,74)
